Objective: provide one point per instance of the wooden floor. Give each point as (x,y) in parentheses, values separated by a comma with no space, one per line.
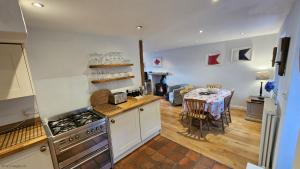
(234,148)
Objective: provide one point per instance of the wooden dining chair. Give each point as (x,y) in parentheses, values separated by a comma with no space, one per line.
(227,101)
(214,85)
(196,110)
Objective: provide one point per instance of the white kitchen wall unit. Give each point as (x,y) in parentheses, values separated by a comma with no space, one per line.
(36,157)
(133,128)
(14,72)
(12,25)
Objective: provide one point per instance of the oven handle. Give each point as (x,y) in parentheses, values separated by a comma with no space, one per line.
(74,145)
(93,156)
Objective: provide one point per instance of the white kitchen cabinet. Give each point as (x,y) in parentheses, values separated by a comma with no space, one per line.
(150,119)
(14,72)
(133,128)
(125,132)
(36,157)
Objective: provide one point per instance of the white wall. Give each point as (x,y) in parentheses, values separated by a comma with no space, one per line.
(187,65)
(288,94)
(59,66)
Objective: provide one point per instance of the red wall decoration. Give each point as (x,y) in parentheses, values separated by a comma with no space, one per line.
(157,62)
(213,59)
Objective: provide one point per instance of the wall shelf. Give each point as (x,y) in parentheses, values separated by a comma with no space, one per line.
(110,65)
(110,80)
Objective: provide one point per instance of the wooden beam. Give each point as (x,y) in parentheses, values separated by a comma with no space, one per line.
(142,66)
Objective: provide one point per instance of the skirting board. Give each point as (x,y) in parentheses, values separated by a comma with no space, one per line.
(238,107)
(135,147)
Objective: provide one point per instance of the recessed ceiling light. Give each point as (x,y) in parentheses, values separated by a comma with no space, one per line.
(201,31)
(214,1)
(38,4)
(242,33)
(139,27)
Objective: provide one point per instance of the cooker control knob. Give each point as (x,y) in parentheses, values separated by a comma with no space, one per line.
(70,139)
(88,132)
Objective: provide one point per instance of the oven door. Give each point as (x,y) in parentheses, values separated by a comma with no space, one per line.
(100,160)
(92,151)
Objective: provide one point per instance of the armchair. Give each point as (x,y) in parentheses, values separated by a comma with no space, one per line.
(174,95)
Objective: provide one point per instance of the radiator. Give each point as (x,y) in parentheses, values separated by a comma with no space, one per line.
(270,123)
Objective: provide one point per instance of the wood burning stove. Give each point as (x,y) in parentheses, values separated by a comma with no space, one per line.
(161,87)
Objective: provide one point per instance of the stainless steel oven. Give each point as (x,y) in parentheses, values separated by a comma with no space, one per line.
(82,147)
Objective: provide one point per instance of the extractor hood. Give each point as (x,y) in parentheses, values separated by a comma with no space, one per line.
(12,24)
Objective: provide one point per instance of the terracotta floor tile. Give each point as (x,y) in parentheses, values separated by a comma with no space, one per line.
(220,166)
(147,165)
(161,153)
(149,151)
(193,155)
(172,145)
(158,157)
(128,166)
(182,150)
(156,145)
(205,161)
(186,163)
(176,157)
(177,166)
(165,151)
(200,166)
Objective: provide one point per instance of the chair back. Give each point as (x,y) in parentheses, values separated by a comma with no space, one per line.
(214,85)
(227,100)
(196,108)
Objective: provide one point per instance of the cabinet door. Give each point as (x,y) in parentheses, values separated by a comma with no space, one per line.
(36,157)
(14,75)
(125,132)
(150,119)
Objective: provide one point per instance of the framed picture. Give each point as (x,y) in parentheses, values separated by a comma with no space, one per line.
(213,59)
(157,62)
(241,54)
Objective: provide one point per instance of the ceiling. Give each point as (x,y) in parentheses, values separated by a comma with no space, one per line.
(166,23)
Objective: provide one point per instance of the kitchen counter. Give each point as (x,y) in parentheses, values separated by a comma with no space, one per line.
(130,104)
(30,134)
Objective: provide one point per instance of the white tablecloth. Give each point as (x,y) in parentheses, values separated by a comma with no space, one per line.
(215,102)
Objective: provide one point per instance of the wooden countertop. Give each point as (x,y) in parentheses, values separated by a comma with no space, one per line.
(123,107)
(21,138)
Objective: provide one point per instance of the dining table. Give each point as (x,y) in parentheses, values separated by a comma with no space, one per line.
(214,100)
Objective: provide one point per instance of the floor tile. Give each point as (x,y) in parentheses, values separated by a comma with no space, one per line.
(219,166)
(162,153)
